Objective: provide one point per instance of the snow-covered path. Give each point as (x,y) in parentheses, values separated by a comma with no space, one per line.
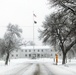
(37,67)
(18,69)
(44,70)
(27,69)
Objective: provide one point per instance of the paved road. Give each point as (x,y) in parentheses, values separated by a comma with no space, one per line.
(29,69)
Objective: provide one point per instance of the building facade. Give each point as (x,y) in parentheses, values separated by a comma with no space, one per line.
(34,52)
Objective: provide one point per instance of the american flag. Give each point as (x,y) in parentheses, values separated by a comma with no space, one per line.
(34,15)
(34,18)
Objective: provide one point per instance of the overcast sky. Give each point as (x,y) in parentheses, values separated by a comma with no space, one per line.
(21,12)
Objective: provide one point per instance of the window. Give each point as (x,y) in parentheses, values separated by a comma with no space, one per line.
(16,55)
(42,50)
(26,55)
(25,50)
(29,50)
(29,55)
(42,55)
(51,54)
(38,50)
(51,50)
(38,55)
(59,54)
(12,55)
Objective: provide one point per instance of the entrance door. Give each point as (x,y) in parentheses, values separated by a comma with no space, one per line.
(34,56)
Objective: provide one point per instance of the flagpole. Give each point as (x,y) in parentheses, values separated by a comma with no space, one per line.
(33,31)
(34,22)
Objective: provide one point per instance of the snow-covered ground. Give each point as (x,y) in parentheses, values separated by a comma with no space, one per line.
(14,64)
(68,69)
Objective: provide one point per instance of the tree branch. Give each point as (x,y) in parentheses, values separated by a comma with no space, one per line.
(69,33)
(67,7)
(71,45)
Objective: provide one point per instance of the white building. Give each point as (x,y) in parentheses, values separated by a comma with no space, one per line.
(34,52)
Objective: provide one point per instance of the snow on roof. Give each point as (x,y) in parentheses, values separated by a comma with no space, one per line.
(36,47)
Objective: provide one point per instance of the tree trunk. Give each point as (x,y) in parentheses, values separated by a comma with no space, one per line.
(64,58)
(7,57)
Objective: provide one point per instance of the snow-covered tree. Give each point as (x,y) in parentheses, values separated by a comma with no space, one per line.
(66,5)
(11,40)
(60,27)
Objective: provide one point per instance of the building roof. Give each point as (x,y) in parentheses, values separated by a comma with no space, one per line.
(36,47)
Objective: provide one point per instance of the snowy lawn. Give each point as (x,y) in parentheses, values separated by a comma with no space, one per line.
(12,64)
(68,69)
